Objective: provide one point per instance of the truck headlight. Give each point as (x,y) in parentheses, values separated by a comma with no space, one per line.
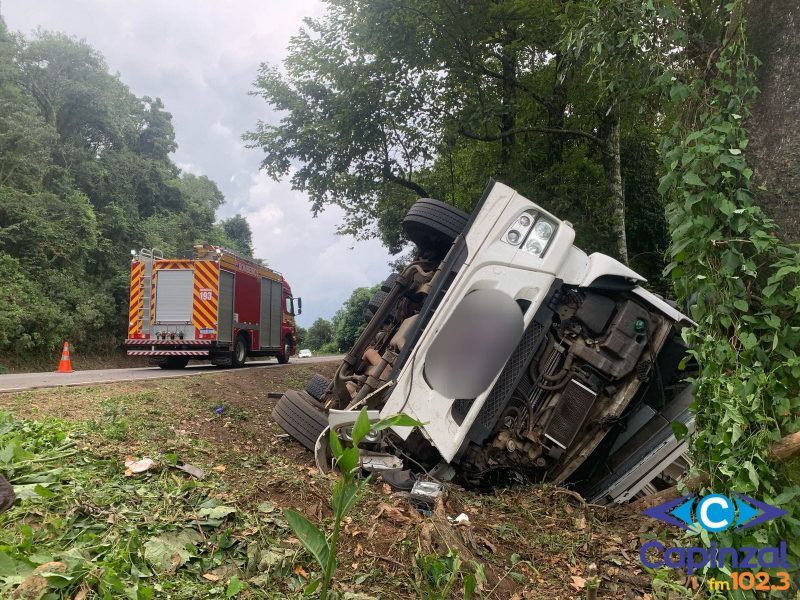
(531,232)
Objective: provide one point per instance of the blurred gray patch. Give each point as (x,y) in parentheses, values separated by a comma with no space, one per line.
(474,344)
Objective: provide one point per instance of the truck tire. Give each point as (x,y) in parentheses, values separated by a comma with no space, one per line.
(317,385)
(433,225)
(389,282)
(283,357)
(375,302)
(300,418)
(239,352)
(7,496)
(174,363)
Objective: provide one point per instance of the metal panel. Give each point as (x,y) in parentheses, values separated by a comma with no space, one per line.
(174,289)
(225,324)
(276,314)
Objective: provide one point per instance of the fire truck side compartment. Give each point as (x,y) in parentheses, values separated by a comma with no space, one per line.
(225,325)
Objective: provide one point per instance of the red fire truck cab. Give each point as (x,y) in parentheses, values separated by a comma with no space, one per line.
(217,306)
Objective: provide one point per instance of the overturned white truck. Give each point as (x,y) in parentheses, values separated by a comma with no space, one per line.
(523,357)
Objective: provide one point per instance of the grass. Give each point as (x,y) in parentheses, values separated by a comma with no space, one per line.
(162,534)
(158,534)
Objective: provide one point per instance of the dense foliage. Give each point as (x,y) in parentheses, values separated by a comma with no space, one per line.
(85,176)
(745,283)
(385,102)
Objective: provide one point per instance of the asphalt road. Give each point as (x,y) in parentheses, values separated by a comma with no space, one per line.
(17,382)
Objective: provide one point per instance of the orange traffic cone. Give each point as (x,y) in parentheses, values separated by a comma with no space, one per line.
(65,366)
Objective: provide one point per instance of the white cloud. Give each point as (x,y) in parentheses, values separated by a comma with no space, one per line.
(201,57)
(321,266)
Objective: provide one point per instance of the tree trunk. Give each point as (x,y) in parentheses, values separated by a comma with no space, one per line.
(508,117)
(773,31)
(556,111)
(612,165)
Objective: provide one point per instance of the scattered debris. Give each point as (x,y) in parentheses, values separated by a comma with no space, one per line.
(461,519)
(425,493)
(195,472)
(134,466)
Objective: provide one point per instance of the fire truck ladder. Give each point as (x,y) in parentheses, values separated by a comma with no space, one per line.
(148,256)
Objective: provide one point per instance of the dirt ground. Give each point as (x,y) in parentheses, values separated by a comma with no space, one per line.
(531,541)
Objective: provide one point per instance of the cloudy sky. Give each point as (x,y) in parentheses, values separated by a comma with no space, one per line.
(201,57)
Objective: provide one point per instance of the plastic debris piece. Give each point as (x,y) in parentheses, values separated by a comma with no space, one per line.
(195,472)
(134,466)
(461,519)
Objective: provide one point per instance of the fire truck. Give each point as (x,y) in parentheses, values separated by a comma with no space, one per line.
(216,306)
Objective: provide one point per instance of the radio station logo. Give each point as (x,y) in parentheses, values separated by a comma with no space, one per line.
(714,513)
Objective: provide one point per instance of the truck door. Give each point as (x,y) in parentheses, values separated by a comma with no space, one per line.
(270,323)
(225,324)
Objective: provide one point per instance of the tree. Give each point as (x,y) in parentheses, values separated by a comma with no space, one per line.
(383,103)
(302,334)
(320,333)
(85,175)
(774,150)
(350,320)
(236,231)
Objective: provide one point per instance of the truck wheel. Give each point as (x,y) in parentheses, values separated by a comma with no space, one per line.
(300,418)
(389,282)
(7,496)
(433,225)
(283,357)
(317,385)
(375,302)
(174,363)
(239,352)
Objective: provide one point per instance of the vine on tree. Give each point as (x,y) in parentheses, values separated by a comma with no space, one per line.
(743,284)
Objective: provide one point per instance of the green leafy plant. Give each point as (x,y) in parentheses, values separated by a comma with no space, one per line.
(344,495)
(437,575)
(743,284)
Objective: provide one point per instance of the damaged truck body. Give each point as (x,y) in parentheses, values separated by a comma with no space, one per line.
(523,357)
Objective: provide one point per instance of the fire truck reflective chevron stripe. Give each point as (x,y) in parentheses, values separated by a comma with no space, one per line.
(135,306)
(206,294)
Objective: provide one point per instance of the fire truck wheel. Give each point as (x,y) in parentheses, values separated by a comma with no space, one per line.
(300,418)
(283,357)
(174,362)
(433,225)
(239,354)
(317,385)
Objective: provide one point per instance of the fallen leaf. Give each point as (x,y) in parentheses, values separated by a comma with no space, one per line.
(578,582)
(82,594)
(394,514)
(492,548)
(210,577)
(298,570)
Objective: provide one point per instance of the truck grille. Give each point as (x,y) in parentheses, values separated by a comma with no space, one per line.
(572,410)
